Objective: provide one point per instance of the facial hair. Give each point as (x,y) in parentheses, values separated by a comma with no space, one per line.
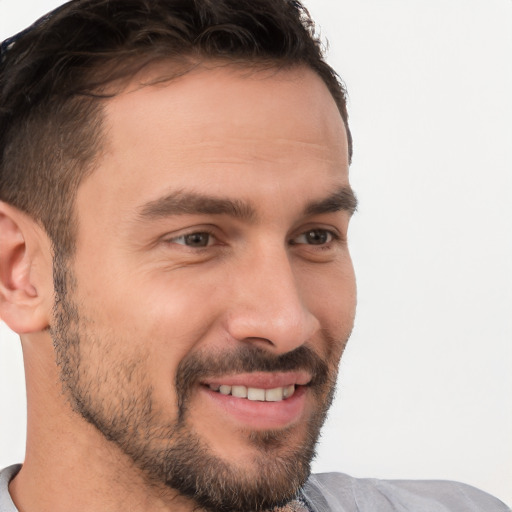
(172,453)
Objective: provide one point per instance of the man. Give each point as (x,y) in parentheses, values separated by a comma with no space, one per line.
(173,219)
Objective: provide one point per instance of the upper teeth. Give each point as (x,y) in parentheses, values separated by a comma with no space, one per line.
(256,394)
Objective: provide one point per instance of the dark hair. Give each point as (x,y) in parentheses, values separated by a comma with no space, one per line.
(54,74)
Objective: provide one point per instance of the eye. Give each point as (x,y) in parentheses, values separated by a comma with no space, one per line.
(199,239)
(314,237)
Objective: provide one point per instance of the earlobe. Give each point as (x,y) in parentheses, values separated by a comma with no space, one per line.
(22,294)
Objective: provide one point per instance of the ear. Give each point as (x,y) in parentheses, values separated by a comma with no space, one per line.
(26,287)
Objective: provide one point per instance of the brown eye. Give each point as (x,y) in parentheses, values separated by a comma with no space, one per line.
(317,237)
(199,239)
(314,237)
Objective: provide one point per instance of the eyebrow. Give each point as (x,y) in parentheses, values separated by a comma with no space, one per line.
(344,199)
(192,203)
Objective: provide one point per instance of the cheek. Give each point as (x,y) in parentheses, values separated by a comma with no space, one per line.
(332,300)
(330,294)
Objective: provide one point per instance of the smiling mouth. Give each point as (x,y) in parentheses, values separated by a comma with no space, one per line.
(255,394)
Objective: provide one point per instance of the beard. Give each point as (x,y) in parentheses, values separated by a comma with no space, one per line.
(113,392)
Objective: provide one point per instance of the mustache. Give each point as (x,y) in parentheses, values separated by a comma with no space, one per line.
(247,358)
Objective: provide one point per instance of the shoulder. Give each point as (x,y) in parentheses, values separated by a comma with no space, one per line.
(6,504)
(342,493)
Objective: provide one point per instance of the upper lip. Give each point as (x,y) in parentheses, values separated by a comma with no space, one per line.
(261,380)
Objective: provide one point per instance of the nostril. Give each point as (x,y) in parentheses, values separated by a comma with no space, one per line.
(279,336)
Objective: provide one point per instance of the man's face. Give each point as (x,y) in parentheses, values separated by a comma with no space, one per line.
(212,291)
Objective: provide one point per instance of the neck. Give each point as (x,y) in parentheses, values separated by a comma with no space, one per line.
(69,464)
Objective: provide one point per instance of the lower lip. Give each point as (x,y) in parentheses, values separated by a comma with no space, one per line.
(261,415)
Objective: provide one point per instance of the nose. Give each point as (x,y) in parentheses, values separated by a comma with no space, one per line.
(266,306)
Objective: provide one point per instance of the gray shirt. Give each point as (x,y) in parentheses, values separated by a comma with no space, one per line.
(336,492)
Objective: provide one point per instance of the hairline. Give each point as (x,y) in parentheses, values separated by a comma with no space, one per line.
(98,113)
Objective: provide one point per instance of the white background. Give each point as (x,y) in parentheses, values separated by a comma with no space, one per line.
(426,382)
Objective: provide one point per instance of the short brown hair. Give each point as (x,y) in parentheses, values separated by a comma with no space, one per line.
(52,76)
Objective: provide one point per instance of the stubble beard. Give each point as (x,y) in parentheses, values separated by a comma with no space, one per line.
(173,454)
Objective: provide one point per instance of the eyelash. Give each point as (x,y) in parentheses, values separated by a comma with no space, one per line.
(334,236)
(207,232)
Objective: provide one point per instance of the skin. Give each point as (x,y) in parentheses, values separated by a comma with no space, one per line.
(273,141)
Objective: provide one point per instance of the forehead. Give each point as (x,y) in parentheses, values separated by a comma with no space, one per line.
(221,126)
(219,100)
